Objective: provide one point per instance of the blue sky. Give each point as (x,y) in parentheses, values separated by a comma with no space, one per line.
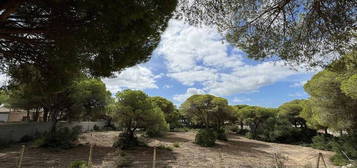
(195,60)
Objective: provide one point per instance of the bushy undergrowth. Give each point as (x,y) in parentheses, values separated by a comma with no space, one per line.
(78,164)
(62,138)
(345,146)
(242,132)
(206,137)
(176,144)
(222,134)
(123,160)
(125,141)
(165,147)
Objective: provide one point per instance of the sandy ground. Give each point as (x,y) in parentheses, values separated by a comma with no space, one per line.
(237,152)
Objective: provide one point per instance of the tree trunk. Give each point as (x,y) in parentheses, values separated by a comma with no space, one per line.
(28,115)
(45,114)
(241,126)
(326,131)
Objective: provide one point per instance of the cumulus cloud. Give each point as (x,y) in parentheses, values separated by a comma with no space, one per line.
(201,56)
(138,77)
(189,92)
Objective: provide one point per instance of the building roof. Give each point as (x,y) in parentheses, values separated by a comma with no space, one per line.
(4,109)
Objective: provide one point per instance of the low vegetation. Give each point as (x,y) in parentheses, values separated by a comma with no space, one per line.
(78,164)
(63,138)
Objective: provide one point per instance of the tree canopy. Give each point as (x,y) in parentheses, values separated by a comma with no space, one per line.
(134,110)
(172,115)
(332,94)
(209,110)
(312,31)
(97,36)
(291,111)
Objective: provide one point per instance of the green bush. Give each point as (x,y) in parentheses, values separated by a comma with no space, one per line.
(63,138)
(125,141)
(176,144)
(206,137)
(340,145)
(323,142)
(165,147)
(78,164)
(242,132)
(344,145)
(96,128)
(234,128)
(26,138)
(222,134)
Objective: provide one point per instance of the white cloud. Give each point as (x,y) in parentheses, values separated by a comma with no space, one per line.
(138,77)
(189,92)
(299,84)
(183,46)
(200,56)
(3,79)
(240,100)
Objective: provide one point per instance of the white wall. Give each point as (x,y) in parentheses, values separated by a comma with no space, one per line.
(4,117)
(15,131)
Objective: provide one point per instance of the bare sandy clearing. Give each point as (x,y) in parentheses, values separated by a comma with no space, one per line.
(237,152)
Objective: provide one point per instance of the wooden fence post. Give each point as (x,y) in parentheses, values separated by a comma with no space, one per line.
(323,160)
(90,156)
(19,162)
(318,161)
(154,158)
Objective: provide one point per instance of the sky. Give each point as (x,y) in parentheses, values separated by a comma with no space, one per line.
(197,60)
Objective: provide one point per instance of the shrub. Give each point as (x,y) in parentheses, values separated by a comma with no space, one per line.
(206,137)
(96,128)
(176,144)
(234,128)
(165,147)
(62,138)
(26,138)
(346,145)
(125,141)
(123,160)
(78,164)
(242,131)
(222,134)
(323,142)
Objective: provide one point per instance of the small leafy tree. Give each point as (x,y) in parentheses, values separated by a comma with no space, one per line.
(239,115)
(134,110)
(212,112)
(255,117)
(209,110)
(172,115)
(89,97)
(291,111)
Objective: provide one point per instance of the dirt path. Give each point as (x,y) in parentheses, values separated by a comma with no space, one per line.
(237,152)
